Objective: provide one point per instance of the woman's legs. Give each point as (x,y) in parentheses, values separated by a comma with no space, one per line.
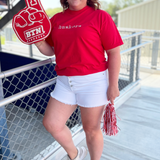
(91,119)
(54,120)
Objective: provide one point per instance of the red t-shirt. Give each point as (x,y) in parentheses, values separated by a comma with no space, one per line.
(79,39)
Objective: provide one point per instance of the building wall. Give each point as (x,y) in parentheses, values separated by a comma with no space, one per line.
(145,16)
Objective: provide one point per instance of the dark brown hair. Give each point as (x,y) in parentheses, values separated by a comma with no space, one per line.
(92,3)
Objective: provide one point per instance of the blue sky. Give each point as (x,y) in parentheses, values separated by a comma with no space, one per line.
(55,3)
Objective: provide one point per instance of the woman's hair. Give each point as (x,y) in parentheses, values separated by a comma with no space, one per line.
(92,3)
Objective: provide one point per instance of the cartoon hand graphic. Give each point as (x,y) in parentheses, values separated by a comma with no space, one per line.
(31,24)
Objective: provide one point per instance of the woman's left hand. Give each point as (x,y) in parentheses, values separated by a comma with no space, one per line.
(112,93)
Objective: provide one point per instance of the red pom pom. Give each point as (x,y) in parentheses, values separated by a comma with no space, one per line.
(110,121)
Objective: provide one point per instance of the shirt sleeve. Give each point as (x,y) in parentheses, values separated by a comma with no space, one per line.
(49,38)
(110,36)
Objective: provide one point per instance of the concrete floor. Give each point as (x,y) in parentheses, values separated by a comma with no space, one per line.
(139,137)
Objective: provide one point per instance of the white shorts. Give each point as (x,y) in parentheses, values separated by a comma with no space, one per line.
(85,91)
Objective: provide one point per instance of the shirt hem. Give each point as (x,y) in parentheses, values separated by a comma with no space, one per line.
(78,73)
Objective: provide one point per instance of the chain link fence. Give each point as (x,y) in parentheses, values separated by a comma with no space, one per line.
(150,54)
(130,59)
(22,133)
(25,92)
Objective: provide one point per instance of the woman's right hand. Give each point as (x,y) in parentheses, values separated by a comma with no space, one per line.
(38,44)
(45,48)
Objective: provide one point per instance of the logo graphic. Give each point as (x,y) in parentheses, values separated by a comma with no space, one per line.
(31,24)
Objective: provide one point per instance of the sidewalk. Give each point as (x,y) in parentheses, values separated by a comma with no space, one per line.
(139,137)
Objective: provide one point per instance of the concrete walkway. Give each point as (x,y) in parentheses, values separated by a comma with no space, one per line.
(139,137)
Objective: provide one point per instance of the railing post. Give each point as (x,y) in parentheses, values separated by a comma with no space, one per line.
(155,49)
(131,75)
(0,43)
(8,3)
(4,140)
(138,58)
(30,50)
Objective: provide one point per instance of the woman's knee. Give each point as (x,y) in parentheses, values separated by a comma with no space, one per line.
(91,130)
(47,124)
(52,126)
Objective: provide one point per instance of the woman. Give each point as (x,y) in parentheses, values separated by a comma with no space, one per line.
(80,35)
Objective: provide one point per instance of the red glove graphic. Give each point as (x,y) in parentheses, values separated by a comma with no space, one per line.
(31,24)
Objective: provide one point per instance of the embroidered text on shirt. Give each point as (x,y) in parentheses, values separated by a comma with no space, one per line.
(69,27)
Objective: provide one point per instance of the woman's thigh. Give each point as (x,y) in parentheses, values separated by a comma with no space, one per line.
(91,117)
(57,113)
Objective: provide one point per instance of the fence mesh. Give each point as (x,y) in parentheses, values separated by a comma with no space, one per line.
(22,135)
(22,81)
(150,54)
(128,70)
(26,134)
(22,131)
(129,62)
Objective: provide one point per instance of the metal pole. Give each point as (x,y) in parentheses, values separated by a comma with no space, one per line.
(138,58)
(10,34)
(0,43)
(30,51)
(8,3)
(27,92)
(155,49)
(4,140)
(25,67)
(131,75)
